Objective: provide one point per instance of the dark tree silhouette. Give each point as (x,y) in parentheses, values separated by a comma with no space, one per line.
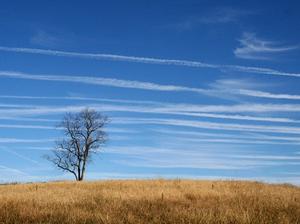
(83,136)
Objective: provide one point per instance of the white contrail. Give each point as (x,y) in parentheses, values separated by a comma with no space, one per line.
(197,160)
(256,70)
(210,125)
(103,82)
(262,94)
(113,57)
(238,117)
(27,126)
(28,119)
(92,80)
(19,140)
(198,134)
(191,110)
(12,170)
(20,155)
(176,122)
(79,98)
(244,92)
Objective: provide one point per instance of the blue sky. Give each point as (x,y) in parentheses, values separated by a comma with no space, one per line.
(194,89)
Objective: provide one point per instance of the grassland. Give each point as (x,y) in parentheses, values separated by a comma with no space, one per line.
(150,201)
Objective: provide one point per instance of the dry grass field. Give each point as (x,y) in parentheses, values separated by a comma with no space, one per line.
(150,201)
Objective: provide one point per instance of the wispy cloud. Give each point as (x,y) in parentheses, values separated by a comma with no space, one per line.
(44,39)
(226,84)
(223,15)
(113,57)
(251,47)
(218,15)
(247,87)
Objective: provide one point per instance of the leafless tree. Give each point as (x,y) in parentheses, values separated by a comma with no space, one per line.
(84,135)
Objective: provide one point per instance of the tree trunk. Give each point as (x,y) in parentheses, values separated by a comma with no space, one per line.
(82,172)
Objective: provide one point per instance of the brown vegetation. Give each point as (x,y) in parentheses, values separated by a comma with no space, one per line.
(150,201)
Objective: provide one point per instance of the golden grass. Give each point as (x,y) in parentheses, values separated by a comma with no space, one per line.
(150,201)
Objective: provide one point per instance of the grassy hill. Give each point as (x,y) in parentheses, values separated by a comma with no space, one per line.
(150,201)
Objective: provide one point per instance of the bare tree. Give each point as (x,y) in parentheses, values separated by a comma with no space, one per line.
(83,136)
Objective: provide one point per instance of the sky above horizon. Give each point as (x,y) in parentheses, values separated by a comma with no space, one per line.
(193,89)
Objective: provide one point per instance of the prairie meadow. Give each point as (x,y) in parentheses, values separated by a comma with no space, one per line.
(150,201)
